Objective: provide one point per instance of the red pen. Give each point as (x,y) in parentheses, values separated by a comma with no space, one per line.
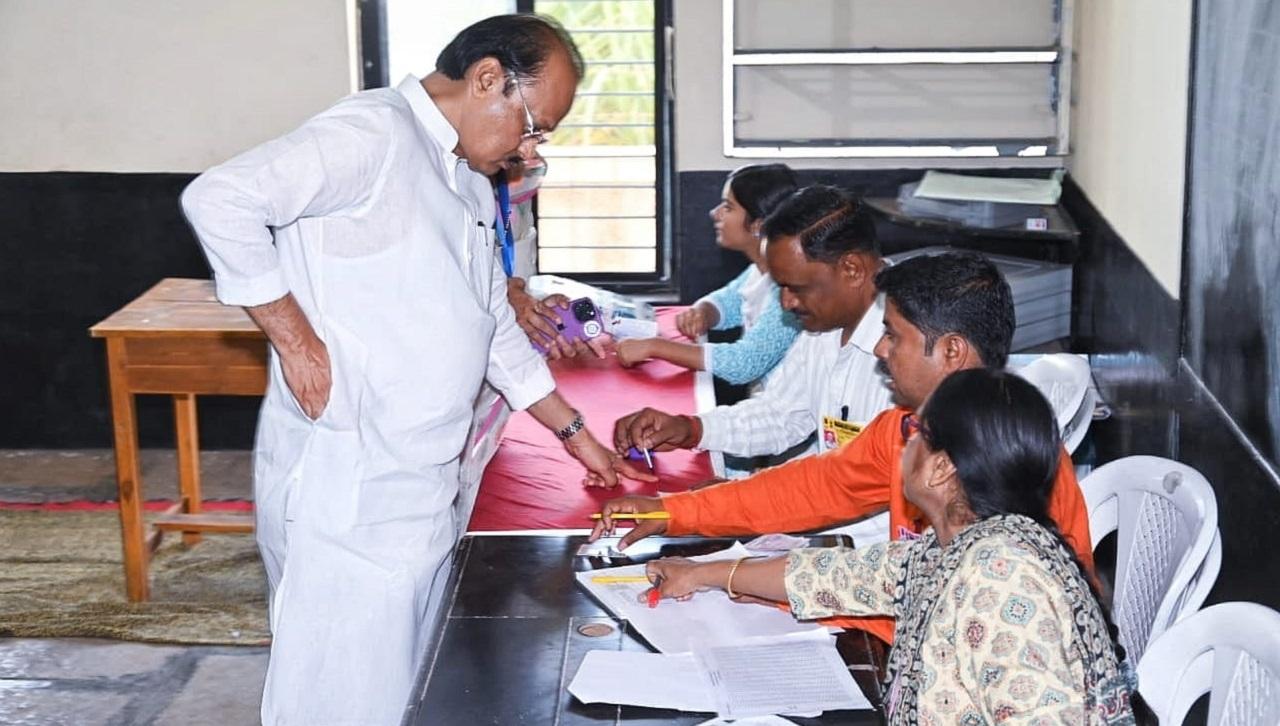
(654,595)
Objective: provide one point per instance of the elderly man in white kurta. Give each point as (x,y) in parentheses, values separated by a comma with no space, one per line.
(386,308)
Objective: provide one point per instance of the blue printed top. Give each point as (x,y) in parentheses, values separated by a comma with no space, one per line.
(749,301)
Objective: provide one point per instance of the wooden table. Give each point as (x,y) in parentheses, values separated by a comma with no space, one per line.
(176,339)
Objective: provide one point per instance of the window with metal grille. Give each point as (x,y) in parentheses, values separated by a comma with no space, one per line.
(601,211)
(907,78)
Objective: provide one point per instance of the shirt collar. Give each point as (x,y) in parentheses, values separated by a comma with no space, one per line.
(429,114)
(870,328)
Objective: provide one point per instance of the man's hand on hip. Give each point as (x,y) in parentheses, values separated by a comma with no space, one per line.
(303,356)
(308,373)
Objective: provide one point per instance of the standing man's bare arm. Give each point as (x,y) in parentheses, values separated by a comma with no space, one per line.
(303,356)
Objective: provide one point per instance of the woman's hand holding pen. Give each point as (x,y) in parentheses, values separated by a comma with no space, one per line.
(680,578)
(629,505)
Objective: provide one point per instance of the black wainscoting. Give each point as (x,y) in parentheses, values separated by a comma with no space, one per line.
(77,246)
(1132,327)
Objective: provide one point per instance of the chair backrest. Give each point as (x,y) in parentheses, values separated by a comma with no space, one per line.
(1066,380)
(1167,548)
(1231,651)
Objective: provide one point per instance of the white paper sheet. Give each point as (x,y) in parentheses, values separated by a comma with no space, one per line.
(655,680)
(795,674)
(798,674)
(709,618)
(941,185)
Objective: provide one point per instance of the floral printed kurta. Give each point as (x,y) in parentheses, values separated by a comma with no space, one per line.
(996,649)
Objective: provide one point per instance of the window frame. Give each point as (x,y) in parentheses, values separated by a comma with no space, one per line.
(1059,55)
(662,278)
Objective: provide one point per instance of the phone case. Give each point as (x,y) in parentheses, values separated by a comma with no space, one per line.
(581,321)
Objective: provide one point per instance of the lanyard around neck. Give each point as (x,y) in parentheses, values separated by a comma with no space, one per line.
(502,225)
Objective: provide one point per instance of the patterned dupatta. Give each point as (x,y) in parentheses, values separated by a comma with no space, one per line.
(930,567)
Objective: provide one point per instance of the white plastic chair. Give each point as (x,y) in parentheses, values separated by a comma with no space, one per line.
(1168,552)
(1230,651)
(1066,381)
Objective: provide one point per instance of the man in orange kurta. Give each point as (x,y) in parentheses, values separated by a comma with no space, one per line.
(942,314)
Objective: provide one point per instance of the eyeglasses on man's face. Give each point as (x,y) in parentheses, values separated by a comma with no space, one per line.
(531,130)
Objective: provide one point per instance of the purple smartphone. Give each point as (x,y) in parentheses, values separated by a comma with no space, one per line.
(580,322)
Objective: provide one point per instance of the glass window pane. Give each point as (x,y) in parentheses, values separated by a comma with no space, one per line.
(893,24)
(607,232)
(597,169)
(608,109)
(600,14)
(636,77)
(606,45)
(603,136)
(558,261)
(840,104)
(568,201)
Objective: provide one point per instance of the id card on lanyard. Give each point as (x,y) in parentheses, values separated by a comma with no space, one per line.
(837,432)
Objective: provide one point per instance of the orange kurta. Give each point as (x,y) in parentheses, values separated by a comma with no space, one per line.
(863,477)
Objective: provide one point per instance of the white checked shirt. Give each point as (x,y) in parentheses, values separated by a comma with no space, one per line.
(817,378)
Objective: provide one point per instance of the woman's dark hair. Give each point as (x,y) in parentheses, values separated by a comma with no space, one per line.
(829,221)
(955,292)
(1001,435)
(759,188)
(520,42)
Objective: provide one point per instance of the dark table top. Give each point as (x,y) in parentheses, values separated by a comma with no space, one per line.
(510,643)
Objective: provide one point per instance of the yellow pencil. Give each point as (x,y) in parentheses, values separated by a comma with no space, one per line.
(610,579)
(635,515)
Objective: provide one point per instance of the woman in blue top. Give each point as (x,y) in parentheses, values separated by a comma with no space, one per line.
(750,301)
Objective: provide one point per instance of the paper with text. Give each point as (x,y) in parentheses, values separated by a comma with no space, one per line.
(780,675)
(709,618)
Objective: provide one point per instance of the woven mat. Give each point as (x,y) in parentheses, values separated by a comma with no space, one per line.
(61,575)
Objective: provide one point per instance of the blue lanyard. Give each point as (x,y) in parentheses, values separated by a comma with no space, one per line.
(502,226)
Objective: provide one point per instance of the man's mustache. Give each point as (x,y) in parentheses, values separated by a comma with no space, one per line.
(882,368)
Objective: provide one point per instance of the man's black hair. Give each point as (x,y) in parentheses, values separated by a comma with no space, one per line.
(956,292)
(520,42)
(829,222)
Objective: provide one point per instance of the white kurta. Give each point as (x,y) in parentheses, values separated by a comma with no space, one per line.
(385,238)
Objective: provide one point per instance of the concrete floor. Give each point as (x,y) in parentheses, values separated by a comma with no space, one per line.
(81,682)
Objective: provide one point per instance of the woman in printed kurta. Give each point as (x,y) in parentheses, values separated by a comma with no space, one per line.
(996,620)
(750,301)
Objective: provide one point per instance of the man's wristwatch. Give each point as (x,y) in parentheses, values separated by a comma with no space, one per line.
(574,427)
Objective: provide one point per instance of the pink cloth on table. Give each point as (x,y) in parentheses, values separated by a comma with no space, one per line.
(533,483)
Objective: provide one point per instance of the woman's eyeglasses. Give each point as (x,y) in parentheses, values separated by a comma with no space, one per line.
(911,425)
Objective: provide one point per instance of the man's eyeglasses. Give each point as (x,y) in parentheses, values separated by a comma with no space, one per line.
(531,131)
(911,425)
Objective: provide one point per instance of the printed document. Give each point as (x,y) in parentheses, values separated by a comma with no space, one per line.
(792,674)
(709,618)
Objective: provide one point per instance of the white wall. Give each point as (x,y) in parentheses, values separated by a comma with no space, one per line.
(163,85)
(417,30)
(1129,122)
(698,104)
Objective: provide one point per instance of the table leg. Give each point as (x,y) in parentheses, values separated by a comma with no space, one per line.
(184,415)
(128,476)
